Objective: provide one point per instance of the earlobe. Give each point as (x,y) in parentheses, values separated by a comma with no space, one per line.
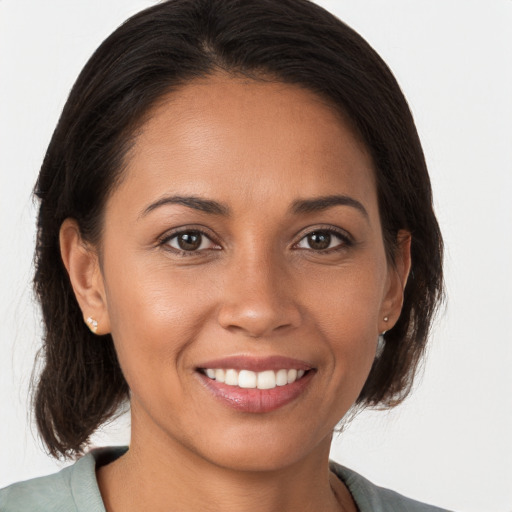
(398,275)
(82,264)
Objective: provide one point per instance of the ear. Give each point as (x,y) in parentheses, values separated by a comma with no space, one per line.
(398,272)
(82,263)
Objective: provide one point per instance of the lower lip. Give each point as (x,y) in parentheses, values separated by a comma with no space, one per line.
(257,400)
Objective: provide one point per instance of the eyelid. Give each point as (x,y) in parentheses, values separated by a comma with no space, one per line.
(164,239)
(343,235)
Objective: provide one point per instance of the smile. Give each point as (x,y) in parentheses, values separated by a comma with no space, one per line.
(256,384)
(247,379)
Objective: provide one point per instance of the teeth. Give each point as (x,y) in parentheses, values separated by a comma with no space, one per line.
(247,379)
(231,377)
(267,379)
(282,378)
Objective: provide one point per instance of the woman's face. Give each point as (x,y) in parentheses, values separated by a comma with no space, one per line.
(245,241)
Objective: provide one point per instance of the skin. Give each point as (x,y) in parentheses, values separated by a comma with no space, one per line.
(255,287)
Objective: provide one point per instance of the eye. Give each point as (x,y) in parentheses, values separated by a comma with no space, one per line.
(190,241)
(323,240)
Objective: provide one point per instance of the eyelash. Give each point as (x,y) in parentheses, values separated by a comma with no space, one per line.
(345,241)
(164,241)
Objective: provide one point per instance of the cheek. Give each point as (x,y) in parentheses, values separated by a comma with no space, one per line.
(155,314)
(347,299)
(345,306)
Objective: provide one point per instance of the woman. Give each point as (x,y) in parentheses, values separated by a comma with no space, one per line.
(236,235)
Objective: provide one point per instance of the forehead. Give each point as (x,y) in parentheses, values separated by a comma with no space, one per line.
(233,138)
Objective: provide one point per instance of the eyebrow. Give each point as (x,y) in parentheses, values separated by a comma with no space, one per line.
(300,206)
(197,203)
(304,206)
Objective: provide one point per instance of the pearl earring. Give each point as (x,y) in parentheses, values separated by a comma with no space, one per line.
(386,318)
(93,324)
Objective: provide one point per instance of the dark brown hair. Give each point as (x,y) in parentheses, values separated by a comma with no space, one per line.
(294,41)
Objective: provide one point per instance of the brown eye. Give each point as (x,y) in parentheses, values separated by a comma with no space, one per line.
(190,241)
(323,239)
(319,240)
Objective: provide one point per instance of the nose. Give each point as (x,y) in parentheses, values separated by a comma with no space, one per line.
(258,300)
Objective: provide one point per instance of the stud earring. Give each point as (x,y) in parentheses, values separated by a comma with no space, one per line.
(92,324)
(386,318)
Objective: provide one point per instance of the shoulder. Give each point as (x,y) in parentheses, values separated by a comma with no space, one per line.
(372,498)
(73,489)
(48,493)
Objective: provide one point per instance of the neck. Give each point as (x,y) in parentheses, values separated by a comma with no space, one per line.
(158,474)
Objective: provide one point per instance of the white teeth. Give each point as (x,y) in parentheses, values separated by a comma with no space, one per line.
(248,379)
(231,377)
(266,380)
(282,378)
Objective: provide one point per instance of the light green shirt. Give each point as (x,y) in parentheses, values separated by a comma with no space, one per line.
(75,489)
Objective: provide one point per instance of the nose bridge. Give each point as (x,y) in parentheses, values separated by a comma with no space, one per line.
(257,297)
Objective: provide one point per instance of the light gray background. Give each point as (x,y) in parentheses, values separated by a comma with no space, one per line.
(451,442)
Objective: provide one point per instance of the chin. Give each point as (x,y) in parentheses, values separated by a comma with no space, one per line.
(262,449)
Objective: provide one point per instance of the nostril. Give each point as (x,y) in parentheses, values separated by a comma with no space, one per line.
(256,321)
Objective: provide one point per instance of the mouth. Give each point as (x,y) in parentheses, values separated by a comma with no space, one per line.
(248,379)
(256,385)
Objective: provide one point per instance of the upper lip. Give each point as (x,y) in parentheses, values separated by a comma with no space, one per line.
(256,363)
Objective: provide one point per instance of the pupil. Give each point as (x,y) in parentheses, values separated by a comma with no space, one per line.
(189,241)
(319,240)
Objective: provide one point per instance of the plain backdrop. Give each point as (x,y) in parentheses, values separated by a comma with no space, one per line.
(451,442)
